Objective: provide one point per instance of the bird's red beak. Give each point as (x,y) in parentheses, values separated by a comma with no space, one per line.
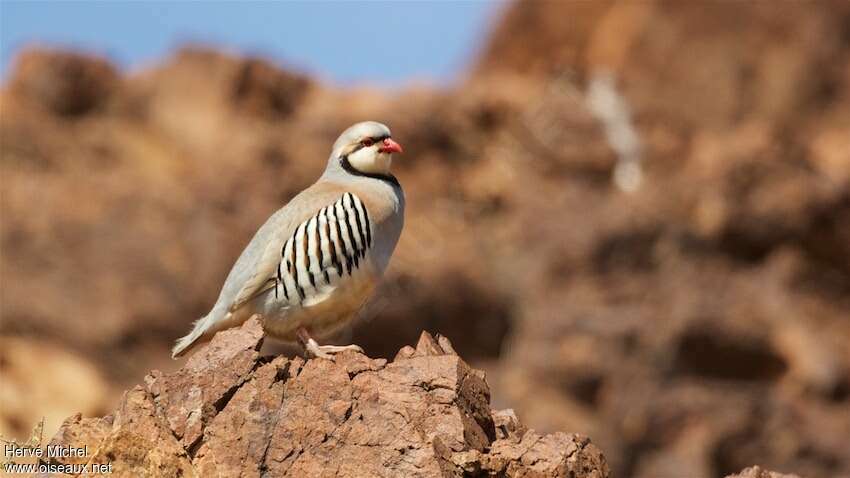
(390,146)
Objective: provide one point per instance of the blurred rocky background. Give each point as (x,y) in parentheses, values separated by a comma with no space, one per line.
(635,216)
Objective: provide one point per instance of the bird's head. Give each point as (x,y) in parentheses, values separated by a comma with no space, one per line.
(367,148)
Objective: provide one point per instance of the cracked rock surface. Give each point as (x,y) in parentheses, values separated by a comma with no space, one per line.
(231,412)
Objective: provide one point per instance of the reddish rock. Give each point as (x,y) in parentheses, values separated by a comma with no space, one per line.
(194,394)
(135,439)
(230,412)
(757,472)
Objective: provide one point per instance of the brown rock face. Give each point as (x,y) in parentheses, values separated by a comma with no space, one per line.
(230,412)
(63,83)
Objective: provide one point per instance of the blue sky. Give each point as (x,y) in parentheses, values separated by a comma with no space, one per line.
(388,43)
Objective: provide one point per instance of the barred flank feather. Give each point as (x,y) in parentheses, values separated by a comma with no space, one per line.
(309,259)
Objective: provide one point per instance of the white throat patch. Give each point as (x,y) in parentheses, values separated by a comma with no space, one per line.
(369,160)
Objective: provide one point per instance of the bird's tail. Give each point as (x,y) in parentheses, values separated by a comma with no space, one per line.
(185,344)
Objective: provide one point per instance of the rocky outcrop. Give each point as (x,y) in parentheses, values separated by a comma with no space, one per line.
(64,83)
(231,412)
(758,472)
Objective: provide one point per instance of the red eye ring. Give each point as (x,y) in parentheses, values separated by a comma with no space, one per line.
(367,142)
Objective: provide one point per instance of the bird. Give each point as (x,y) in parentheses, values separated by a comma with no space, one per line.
(315,262)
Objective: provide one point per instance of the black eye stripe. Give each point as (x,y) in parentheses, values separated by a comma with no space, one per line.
(377,139)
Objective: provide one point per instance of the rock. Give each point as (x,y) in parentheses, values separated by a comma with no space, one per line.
(191,396)
(757,472)
(651,46)
(63,83)
(231,412)
(136,439)
(260,88)
(26,398)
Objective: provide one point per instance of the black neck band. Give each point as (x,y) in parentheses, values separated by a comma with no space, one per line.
(346,165)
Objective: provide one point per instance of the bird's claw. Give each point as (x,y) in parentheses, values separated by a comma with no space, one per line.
(329,351)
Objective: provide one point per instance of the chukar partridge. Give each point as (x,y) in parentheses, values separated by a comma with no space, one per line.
(316,261)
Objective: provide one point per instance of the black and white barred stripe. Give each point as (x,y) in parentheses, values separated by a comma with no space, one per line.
(324,249)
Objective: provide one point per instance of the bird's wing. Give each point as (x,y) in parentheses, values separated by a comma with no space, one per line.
(325,239)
